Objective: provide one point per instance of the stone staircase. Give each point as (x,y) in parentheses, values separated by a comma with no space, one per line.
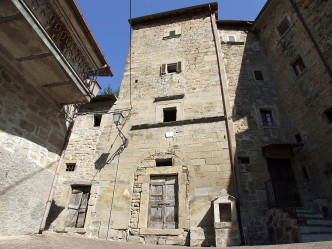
(313,226)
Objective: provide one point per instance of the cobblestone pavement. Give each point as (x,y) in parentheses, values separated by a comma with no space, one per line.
(51,241)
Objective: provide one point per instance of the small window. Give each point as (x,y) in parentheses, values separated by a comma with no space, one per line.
(283,26)
(305,173)
(298,138)
(97,120)
(170,68)
(70,167)
(172,33)
(328,114)
(244,160)
(258,75)
(231,38)
(298,66)
(169,114)
(266,116)
(164,162)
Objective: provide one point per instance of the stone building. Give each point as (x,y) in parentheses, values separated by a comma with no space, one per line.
(215,144)
(47,61)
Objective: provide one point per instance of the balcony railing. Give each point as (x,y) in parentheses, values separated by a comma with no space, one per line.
(60,34)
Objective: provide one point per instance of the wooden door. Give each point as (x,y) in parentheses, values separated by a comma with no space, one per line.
(283,183)
(163,204)
(78,205)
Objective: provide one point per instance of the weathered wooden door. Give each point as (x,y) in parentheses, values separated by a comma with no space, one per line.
(163,204)
(78,205)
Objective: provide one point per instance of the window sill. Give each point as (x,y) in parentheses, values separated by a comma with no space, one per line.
(171,37)
(300,74)
(161,231)
(232,43)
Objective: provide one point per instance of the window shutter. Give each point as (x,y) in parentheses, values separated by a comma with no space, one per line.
(178,67)
(163,69)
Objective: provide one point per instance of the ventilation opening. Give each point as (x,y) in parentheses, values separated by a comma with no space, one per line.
(298,138)
(231,38)
(266,117)
(97,120)
(164,162)
(172,33)
(258,75)
(70,167)
(244,160)
(298,66)
(170,114)
(305,173)
(225,212)
(328,114)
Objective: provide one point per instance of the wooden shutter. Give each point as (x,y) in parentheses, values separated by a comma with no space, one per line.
(163,69)
(178,67)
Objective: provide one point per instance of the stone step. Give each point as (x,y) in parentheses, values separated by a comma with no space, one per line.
(308,215)
(315,229)
(304,211)
(323,222)
(312,237)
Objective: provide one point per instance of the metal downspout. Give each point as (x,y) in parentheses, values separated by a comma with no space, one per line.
(56,176)
(320,54)
(228,120)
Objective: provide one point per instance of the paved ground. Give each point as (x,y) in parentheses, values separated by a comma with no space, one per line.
(51,241)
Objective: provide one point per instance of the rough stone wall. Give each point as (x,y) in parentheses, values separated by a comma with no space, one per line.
(282,227)
(248,96)
(32,132)
(308,95)
(86,142)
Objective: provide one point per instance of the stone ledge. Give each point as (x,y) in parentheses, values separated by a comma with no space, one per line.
(147,231)
(178,123)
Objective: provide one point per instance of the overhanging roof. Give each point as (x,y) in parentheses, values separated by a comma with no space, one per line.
(174,13)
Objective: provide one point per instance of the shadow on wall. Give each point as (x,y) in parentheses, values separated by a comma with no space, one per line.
(53,215)
(101,161)
(207,224)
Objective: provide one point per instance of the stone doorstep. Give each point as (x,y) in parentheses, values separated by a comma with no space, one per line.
(162,232)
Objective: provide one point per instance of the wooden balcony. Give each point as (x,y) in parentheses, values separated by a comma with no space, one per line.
(49,45)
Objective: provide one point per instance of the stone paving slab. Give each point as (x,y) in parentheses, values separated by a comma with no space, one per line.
(65,242)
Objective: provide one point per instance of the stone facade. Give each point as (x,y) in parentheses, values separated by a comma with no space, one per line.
(209,107)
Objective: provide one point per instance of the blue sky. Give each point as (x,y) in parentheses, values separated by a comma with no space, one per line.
(108,20)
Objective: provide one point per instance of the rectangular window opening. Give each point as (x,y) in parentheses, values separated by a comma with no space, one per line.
(244,160)
(266,116)
(169,114)
(97,120)
(171,68)
(70,167)
(298,66)
(258,75)
(328,114)
(164,162)
(283,26)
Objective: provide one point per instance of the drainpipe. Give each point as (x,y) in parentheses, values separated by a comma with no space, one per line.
(320,54)
(228,118)
(56,175)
